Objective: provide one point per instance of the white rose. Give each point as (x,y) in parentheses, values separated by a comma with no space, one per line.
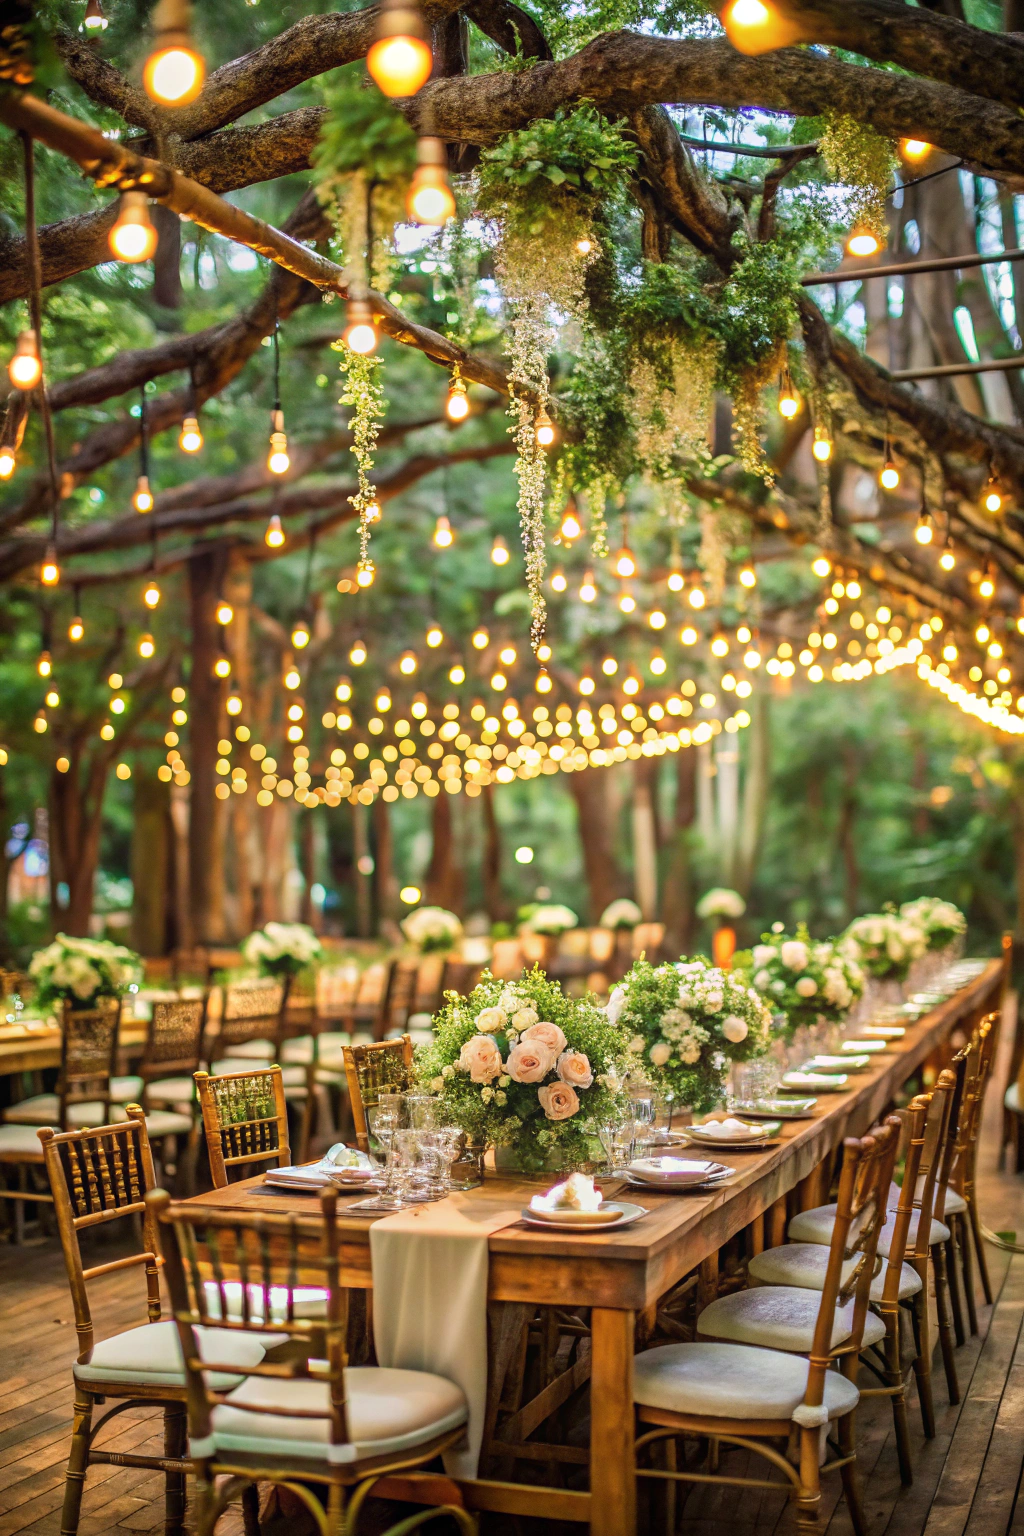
(615,1004)
(689,1050)
(524,1017)
(637,1044)
(661,1053)
(437,1085)
(762,980)
(806,986)
(735,1029)
(713,1002)
(764,954)
(488,1020)
(794,954)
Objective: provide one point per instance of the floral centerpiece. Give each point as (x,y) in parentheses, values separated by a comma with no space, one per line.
(806,981)
(431,929)
(80,971)
(724,905)
(519,1065)
(282,949)
(621,913)
(686,1022)
(941,920)
(884,944)
(550,919)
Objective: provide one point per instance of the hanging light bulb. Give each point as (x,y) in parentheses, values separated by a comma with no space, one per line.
(44,666)
(147,647)
(407,663)
(142,499)
(357,655)
(993,499)
(925,530)
(399,59)
(233,705)
(821,566)
(360,333)
(676,579)
(559,582)
(224,612)
(435,636)
(947,559)
(789,402)
(915,149)
(747,576)
(862,241)
(430,199)
(300,634)
(754,27)
(625,563)
(584,245)
(697,598)
(889,476)
(49,571)
(274,536)
(588,591)
(986,586)
(76,629)
(190,438)
(499,551)
(25,368)
(480,639)
(174,73)
(822,445)
(133,234)
(94,20)
(544,428)
(719,645)
(151,595)
(292,678)
(277,459)
(457,674)
(571,528)
(365,572)
(444,536)
(457,404)
(8,461)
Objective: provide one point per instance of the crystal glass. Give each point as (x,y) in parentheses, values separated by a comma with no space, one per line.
(420,1111)
(445,1141)
(618,1140)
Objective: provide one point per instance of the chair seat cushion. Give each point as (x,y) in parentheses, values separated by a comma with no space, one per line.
(20,1141)
(152,1355)
(956,1205)
(780,1317)
(299,1049)
(160,1122)
(125,1090)
(816,1227)
(805,1264)
(44,1109)
(732,1381)
(389,1411)
(171,1090)
(309,1301)
(250,1050)
(939,1233)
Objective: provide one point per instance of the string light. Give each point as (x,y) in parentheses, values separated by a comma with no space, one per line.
(94,20)
(625,562)
(292,679)
(444,535)
(49,571)
(747,576)
(993,500)
(174,73)
(889,476)
(278,461)
(571,528)
(190,438)
(457,674)
(44,666)
(407,663)
(142,497)
(925,530)
(559,580)
(274,536)
(696,596)
(435,636)
(365,572)
(360,333)
(233,705)
(151,594)
(300,634)
(457,404)
(947,559)
(430,199)
(544,428)
(499,551)
(357,655)
(399,59)
(480,639)
(821,447)
(25,368)
(656,619)
(8,460)
(133,234)
(588,591)
(821,566)
(862,241)
(627,603)
(789,402)
(915,149)
(147,646)
(76,629)
(224,612)
(986,587)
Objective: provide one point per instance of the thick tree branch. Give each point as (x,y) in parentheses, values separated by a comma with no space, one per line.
(102,83)
(696,207)
(511,28)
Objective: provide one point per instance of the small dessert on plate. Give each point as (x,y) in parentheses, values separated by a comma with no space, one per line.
(730,1129)
(575,1203)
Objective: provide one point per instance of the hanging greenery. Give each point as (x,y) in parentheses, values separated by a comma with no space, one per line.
(364,392)
(864,161)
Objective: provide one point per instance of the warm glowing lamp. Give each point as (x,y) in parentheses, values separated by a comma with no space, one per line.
(49,571)
(925,531)
(300,634)
(399,59)
(889,476)
(457,404)
(915,149)
(190,438)
(274,536)
(444,534)
(25,368)
(625,563)
(224,612)
(993,497)
(571,527)
(499,551)
(76,629)
(7,462)
(822,445)
(151,596)
(753,27)
(174,73)
(747,576)
(545,428)
(94,20)
(133,234)
(277,459)
(147,647)
(142,499)
(435,636)
(588,591)
(862,241)
(430,199)
(947,559)
(360,333)
(365,572)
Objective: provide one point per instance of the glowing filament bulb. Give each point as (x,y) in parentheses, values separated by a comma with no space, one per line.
(862,242)
(889,476)
(430,199)
(571,528)
(697,598)
(49,571)
(481,639)
(7,462)
(993,497)
(558,580)
(986,587)
(360,333)
(174,73)
(357,655)
(499,551)
(457,404)
(76,629)
(133,234)
(151,596)
(914,149)
(300,634)
(435,636)
(947,559)
(142,499)
(278,461)
(44,666)
(224,612)
(747,576)
(365,572)
(588,591)
(407,664)
(190,438)
(625,564)
(25,368)
(544,428)
(274,536)
(924,532)
(147,646)
(399,59)
(444,536)
(822,445)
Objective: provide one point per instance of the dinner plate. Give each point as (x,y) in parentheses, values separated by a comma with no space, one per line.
(883,1032)
(710,1183)
(848,1062)
(628,1213)
(673,1171)
(704,1136)
(872,1047)
(567,1216)
(823,1082)
(778,1109)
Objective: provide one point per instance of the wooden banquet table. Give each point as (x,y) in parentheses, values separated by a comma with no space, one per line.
(621,1275)
(35,1046)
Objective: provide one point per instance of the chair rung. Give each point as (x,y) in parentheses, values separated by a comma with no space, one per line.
(136,1459)
(709,1477)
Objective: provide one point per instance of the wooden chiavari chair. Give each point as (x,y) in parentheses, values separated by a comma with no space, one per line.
(98,1176)
(965,1170)
(304,1416)
(748,1395)
(399,997)
(251,1015)
(371,1070)
(245,1119)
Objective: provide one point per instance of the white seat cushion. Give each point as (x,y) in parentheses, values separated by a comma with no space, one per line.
(251,1050)
(162,1122)
(126,1090)
(389,1411)
(44,1109)
(780,1317)
(152,1355)
(309,1301)
(732,1381)
(805,1264)
(171,1090)
(939,1233)
(292,1077)
(20,1141)
(1011,1098)
(300,1049)
(814,1226)
(956,1205)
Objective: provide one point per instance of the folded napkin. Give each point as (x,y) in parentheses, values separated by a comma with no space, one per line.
(731,1130)
(430,1300)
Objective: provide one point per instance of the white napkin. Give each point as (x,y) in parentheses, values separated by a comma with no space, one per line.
(729,1130)
(430,1300)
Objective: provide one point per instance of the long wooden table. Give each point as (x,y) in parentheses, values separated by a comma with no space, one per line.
(34,1048)
(622,1274)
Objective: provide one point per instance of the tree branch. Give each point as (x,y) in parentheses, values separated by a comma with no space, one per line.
(509,27)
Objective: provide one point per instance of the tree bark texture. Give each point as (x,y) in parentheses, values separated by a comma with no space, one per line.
(596,822)
(499,908)
(677,901)
(151,856)
(207,722)
(444,880)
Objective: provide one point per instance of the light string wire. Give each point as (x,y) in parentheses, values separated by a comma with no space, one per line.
(36,315)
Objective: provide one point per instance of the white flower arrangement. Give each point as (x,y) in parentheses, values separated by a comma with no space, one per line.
(520,1065)
(802,979)
(282,949)
(686,1022)
(80,971)
(720,901)
(621,913)
(551,919)
(941,920)
(432,928)
(884,944)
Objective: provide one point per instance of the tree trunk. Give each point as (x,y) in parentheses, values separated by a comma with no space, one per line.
(592,791)
(498,907)
(243,865)
(645,839)
(76,821)
(443,879)
(847,838)
(677,902)
(755,791)
(184,932)
(364,881)
(207,722)
(150,858)
(385,883)
(727,798)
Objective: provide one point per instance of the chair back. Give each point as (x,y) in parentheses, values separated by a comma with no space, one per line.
(88,1056)
(175,1040)
(97,1176)
(459,976)
(399,995)
(963,1066)
(868,1162)
(205,1250)
(370,1070)
(923,1192)
(914,1118)
(252,1010)
(245,1120)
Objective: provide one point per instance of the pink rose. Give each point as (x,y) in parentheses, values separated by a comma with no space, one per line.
(481,1058)
(545,1034)
(574,1068)
(558,1101)
(529,1061)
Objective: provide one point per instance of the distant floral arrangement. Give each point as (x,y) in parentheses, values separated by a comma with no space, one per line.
(720,901)
(520,1065)
(621,913)
(941,920)
(432,928)
(804,979)
(884,944)
(686,1022)
(282,949)
(80,971)
(551,919)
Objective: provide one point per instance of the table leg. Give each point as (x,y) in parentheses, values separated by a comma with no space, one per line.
(612,1457)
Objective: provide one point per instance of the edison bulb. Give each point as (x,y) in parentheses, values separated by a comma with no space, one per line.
(25,368)
(570,528)
(274,536)
(457,404)
(588,591)
(7,463)
(174,75)
(625,565)
(133,234)
(889,477)
(788,405)
(914,149)
(862,242)
(400,64)
(151,596)
(822,447)
(190,438)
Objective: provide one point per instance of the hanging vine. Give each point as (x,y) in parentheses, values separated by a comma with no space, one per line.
(863,161)
(364,392)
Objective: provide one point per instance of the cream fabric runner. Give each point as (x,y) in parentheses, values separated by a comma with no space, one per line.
(430,1298)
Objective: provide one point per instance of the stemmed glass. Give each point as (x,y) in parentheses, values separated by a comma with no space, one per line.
(642,1107)
(444,1141)
(618,1141)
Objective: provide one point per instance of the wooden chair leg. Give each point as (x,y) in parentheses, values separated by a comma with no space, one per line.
(809,1496)
(849,1474)
(953,1282)
(942,1313)
(78,1463)
(979,1248)
(923,1360)
(175,1444)
(671,1488)
(967,1269)
(894,1379)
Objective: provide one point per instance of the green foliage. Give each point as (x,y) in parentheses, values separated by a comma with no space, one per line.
(577,149)
(860,158)
(570,27)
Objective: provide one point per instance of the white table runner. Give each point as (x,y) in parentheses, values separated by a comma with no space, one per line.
(430,1300)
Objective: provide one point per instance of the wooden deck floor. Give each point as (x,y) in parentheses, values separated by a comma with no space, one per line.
(967,1480)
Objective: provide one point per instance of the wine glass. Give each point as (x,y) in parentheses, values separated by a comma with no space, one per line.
(618,1141)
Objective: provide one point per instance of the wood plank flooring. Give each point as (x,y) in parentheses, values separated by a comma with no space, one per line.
(968,1480)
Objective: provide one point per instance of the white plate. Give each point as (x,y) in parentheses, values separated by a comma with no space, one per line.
(878,1033)
(703,1136)
(674,1171)
(710,1183)
(848,1062)
(628,1213)
(567,1216)
(780,1109)
(820,1082)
